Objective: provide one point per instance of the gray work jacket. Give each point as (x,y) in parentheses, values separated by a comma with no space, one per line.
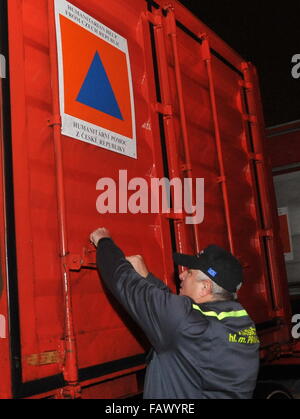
(200,351)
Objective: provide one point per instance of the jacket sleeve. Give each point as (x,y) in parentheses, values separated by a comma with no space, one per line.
(157,282)
(149,302)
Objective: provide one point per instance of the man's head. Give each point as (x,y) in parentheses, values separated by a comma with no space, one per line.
(213,275)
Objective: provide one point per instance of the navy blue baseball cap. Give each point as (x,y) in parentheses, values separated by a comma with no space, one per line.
(218,264)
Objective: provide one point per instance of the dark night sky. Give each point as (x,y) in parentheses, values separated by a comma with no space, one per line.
(268,34)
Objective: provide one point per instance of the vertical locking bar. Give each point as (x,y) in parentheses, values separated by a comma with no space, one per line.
(171,25)
(207,58)
(168,120)
(70,368)
(256,127)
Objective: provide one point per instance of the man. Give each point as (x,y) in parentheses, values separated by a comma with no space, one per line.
(205,344)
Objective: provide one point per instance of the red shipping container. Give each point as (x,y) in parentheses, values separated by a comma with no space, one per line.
(180,103)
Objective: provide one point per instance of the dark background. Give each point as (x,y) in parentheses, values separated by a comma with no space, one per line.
(266,33)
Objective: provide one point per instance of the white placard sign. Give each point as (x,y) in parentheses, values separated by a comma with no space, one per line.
(95,82)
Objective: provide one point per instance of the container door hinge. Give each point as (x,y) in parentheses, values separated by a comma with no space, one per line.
(163,109)
(155,19)
(174,216)
(54,121)
(221,179)
(250,118)
(246,84)
(268,233)
(257,157)
(186,168)
(2,66)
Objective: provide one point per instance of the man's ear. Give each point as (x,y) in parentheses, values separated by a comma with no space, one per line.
(206,287)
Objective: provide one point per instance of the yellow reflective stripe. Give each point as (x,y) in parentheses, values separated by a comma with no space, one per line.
(221,316)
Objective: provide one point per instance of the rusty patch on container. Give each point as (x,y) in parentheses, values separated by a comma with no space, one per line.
(44,358)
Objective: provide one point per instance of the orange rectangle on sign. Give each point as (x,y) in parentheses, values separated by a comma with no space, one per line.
(96,93)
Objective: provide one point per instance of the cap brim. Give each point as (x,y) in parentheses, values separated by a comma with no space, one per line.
(186,260)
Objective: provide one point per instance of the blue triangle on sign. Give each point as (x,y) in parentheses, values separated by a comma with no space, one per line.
(97,92)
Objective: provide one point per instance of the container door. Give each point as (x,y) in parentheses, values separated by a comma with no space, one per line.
(61,53)
(217,136)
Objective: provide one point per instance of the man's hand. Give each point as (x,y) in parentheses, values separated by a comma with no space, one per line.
(100,233)
(139,265)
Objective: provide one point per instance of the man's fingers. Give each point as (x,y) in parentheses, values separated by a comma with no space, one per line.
(99,234)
